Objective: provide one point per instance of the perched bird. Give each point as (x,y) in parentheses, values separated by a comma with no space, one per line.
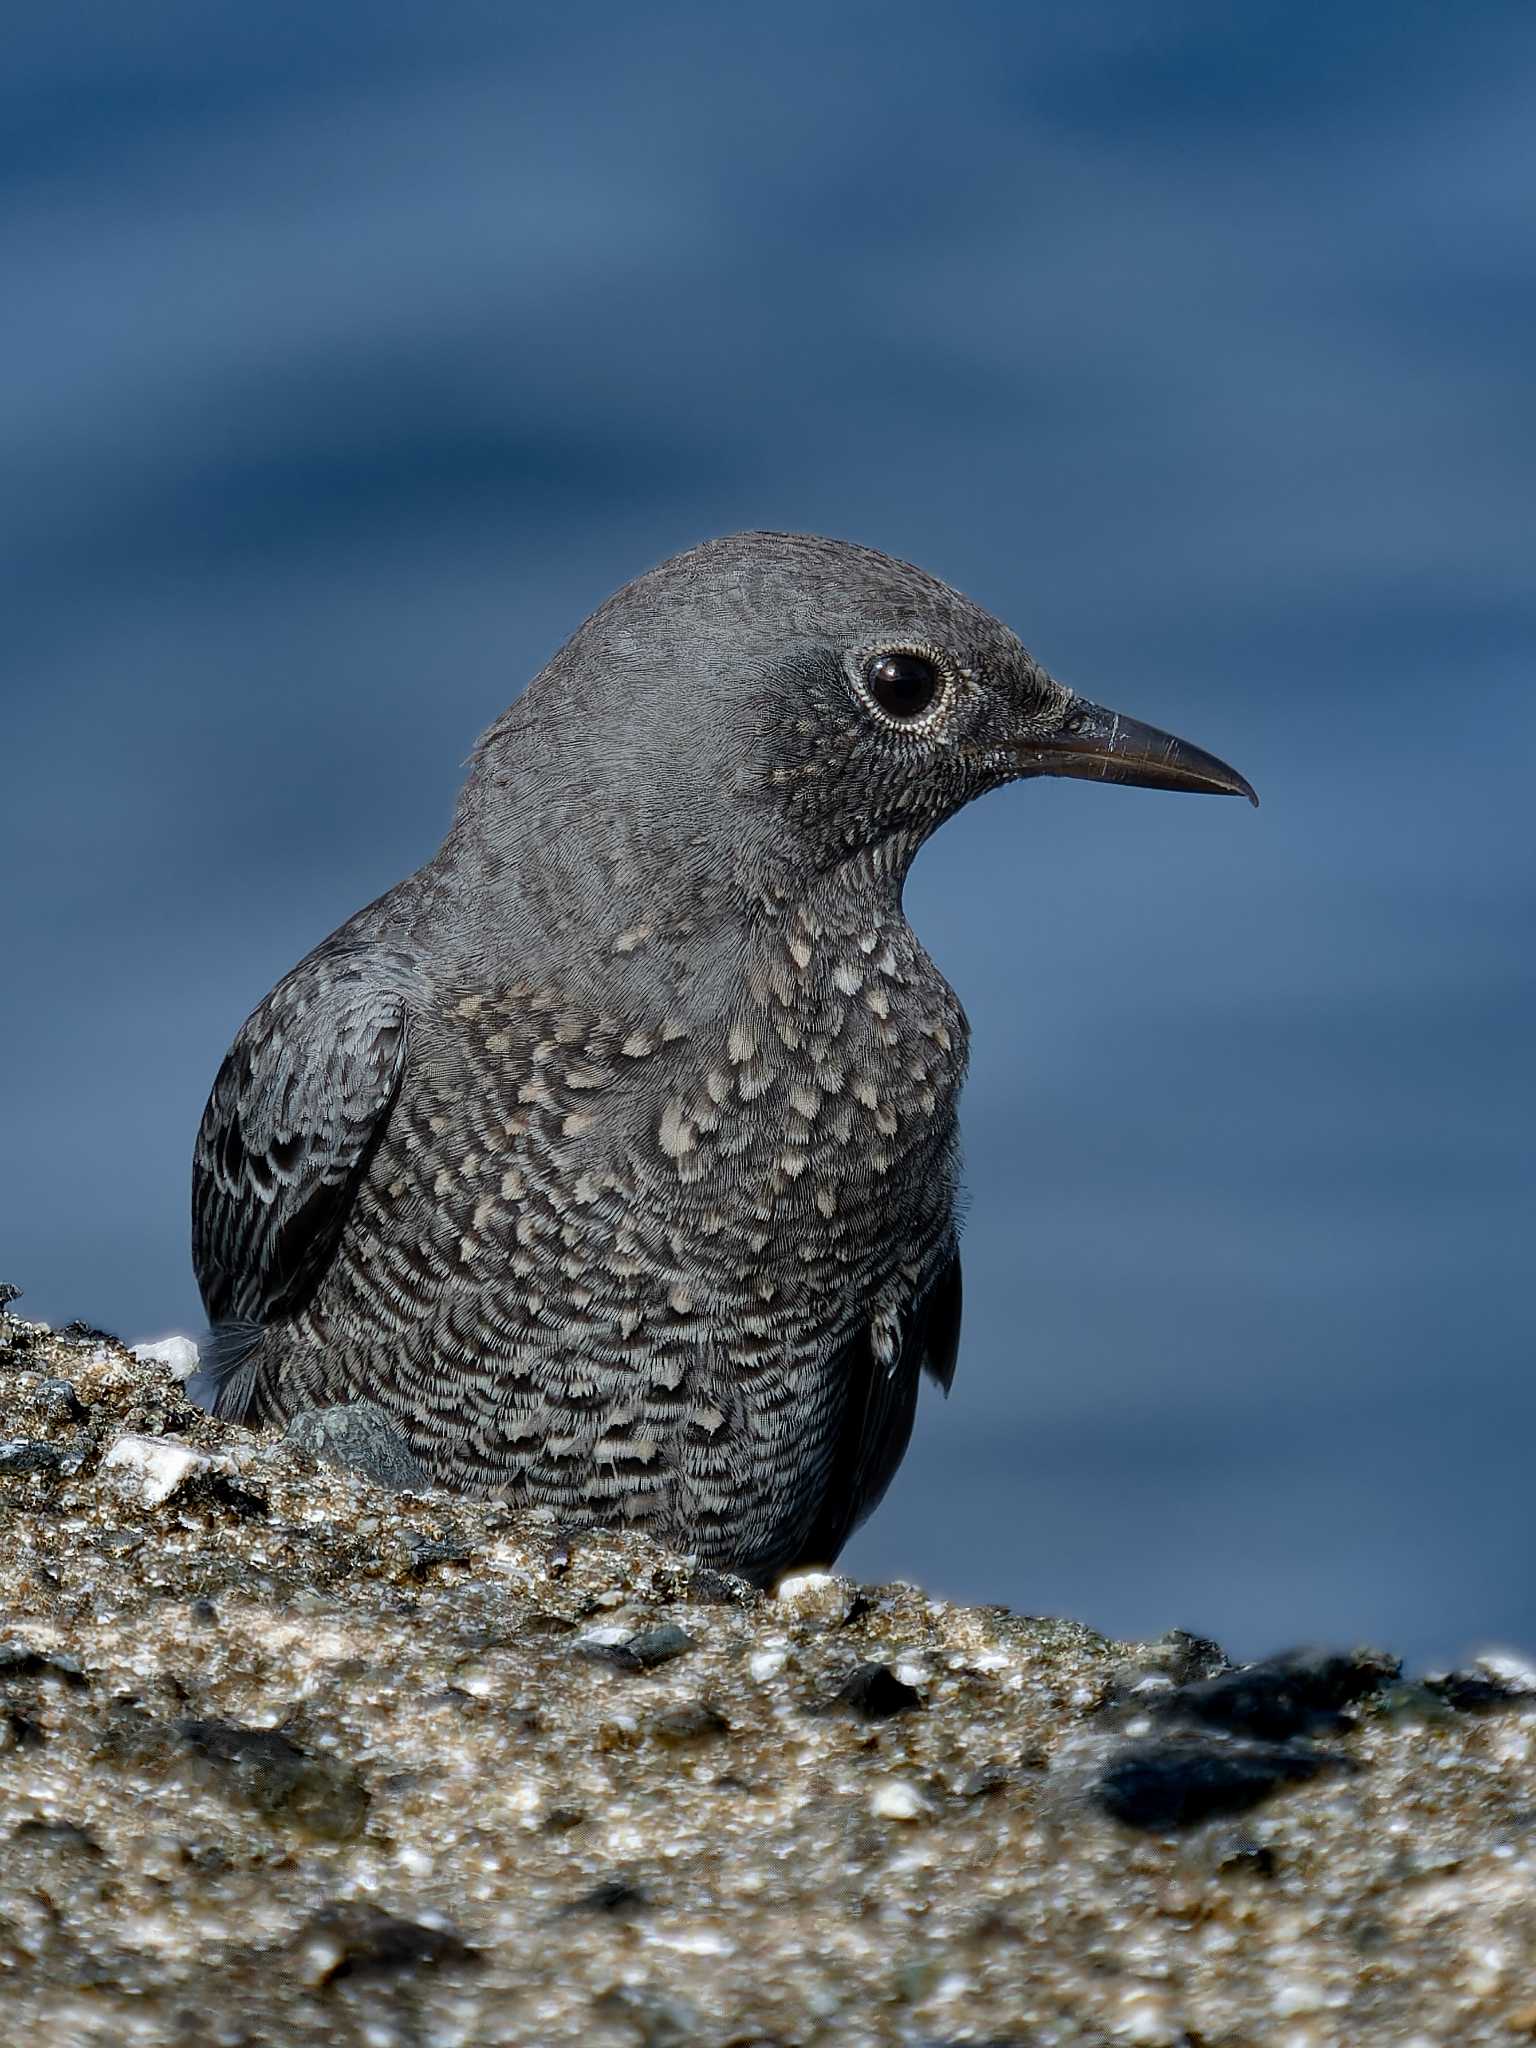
(612,1155)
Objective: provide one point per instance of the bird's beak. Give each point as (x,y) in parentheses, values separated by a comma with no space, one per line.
(1102,746)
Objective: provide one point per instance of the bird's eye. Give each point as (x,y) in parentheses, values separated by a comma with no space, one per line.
(904,685)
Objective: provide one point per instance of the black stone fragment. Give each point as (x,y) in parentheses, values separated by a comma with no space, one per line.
(87,1333)
(20,1730)
(1250,1859)
(615,1896)
(427,1551)
(1175,1784)
(709,1588)
(21,1455)
(561,1819)
(359,1436)
(21,1661)
(1186,1657)
(371,1943)
(1474,1692)
(659,1645)
(216,1489)
(981,1784)
(281,1781)
(698,1721)
(874,1692)
(8,1294)
(642,1652)
(59,1402)
(1300,1693)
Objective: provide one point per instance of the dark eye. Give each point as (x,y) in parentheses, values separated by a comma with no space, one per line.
(903,685)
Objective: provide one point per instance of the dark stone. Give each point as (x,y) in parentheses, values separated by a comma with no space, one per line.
(1250,1859)
(659,1645)
(87,1333)
(429,1551)
(1175,1784)
(696,1722)
(208,1857)
(359,1436)
(642,1652)
(561,1819)
(614,1897)
(372,1943)
(876,1693)
(59,1402)
(709,1588)
(983,1783)
(216,1489)
(562,1547)
(1474,1692)
(1299,1693)
(1187,1658)
(19,1660)
(8,1294)
(21,1730)
(20,1455)
(280,1780)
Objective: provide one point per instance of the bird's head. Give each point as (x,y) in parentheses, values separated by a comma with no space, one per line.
(798,704)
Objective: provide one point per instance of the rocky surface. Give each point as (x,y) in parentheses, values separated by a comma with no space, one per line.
(285,1758)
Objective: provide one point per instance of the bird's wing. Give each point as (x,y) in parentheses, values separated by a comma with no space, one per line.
(882,1400)
(295,1114)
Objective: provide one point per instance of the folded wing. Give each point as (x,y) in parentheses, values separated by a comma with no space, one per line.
(296,1112)
(882,1401)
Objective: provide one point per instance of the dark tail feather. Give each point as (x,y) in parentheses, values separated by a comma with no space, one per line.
(225,1380)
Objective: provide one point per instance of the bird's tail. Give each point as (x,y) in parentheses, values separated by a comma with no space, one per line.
(225,1380)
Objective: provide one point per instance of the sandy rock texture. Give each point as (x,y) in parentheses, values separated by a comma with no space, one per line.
(288,1758)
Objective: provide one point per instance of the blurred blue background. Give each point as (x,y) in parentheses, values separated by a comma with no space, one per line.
(350,355)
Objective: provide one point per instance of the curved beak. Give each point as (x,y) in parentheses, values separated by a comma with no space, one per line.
(1102,746)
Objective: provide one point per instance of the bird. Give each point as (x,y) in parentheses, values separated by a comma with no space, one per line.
(613,1154)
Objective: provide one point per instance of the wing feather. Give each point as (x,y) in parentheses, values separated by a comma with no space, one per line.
(295,1113)
(882,1401)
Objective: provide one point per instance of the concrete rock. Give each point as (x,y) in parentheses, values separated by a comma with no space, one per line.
(337,1771)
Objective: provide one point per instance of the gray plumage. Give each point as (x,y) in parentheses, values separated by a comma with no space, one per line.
(613,1153)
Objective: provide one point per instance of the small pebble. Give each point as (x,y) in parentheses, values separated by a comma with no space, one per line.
(895,1799)
(816,1599)
(177,1354)
(155,1466)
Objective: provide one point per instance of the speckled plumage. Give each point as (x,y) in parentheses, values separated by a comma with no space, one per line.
(613,1153)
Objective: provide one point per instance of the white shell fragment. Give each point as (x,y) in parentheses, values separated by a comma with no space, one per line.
(155,1466)
(895,1799)
(177,1354)
(820,1599)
